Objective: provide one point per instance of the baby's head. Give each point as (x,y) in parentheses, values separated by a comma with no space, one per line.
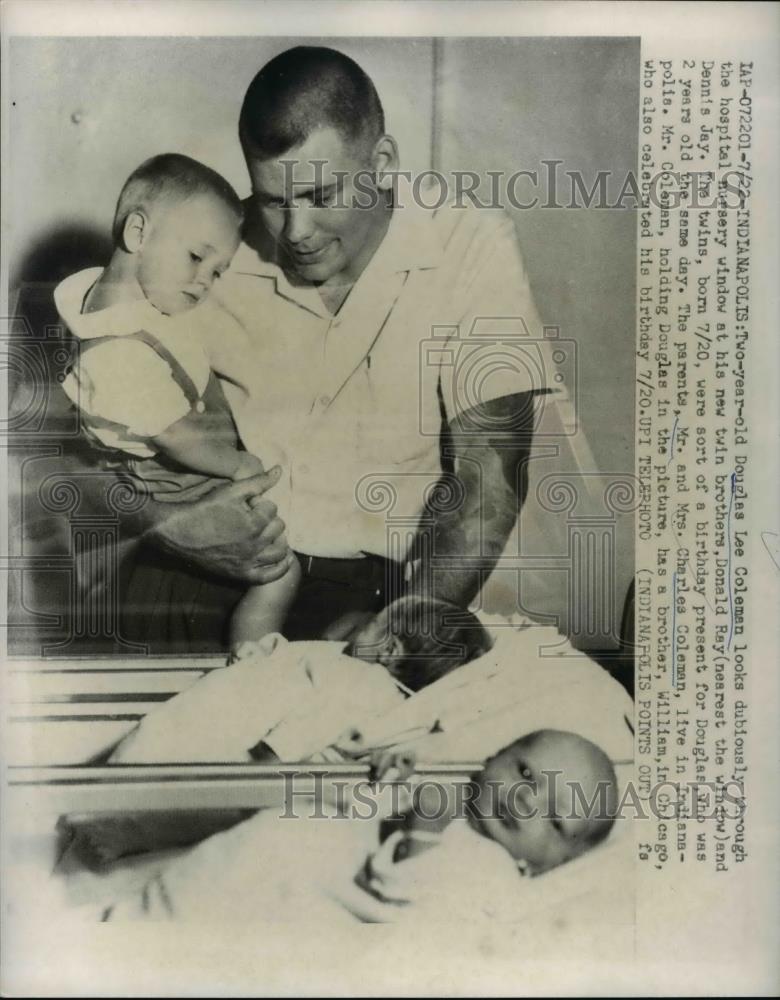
(180,223)
(420,640)
(546,799)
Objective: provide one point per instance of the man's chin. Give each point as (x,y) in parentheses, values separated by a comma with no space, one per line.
(316,271)
(315,274)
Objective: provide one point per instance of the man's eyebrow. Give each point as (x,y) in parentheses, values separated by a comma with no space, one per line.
(265,196)
(315,191)
(307,191)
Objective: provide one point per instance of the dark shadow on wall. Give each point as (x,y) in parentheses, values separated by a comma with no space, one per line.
(59,251)
(40,349)
(56,488)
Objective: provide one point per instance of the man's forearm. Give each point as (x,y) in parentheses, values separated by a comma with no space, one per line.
(473,509)
(233,531)
(459,548)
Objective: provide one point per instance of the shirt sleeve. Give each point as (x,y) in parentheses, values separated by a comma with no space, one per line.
(499,346)
(221,336)
(126,382)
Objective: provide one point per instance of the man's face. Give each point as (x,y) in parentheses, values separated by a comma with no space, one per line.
(186,245)
(308,206)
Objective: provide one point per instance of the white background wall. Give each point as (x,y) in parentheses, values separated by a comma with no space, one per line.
(509,104)
(86,111)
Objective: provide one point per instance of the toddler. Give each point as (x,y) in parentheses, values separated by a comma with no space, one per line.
(148,398)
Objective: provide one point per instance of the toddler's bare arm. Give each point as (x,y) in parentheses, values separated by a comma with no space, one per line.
(186,443)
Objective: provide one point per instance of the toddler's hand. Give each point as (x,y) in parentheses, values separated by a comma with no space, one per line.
(255,647)
(249,465)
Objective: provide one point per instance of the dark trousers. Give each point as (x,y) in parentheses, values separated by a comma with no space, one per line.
(172,610)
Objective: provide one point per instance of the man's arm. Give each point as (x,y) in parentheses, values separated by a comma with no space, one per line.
(473,508)
(234,531)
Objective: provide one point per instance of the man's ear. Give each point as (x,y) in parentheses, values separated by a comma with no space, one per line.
(385,161)
(134,231)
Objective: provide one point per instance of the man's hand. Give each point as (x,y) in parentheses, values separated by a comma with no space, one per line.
(234,531)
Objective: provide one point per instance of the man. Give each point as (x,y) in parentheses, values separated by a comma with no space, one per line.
(378,371)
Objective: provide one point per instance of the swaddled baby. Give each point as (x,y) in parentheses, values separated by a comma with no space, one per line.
(280,701)
(544,800)
(288,701)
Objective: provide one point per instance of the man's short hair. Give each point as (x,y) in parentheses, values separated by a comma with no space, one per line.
(170,175)
(307,88)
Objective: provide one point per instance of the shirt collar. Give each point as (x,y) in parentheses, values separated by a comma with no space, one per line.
(411,242)
(114,321)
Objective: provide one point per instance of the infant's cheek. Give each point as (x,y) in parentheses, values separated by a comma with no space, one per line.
(429,802)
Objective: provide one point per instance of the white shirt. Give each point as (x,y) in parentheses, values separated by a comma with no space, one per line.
(126,391)
(352,399)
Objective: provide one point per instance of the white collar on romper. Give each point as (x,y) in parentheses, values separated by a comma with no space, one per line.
(118,320)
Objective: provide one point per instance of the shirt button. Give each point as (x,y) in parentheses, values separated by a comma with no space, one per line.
(304,468)
(324,400)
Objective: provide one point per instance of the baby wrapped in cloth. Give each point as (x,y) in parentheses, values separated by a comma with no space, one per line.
(297,698)
(465,862)
(289,701)
(309,701)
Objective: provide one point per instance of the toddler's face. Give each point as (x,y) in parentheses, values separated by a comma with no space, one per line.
(187,245)
(533,815)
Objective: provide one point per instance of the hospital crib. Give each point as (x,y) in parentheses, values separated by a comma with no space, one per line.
(62,713)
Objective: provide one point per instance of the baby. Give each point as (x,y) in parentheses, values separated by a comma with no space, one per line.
(417,640)
(148,398)
(546,799)
(527,799)
(282,702)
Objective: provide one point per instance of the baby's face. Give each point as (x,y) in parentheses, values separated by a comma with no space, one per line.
(187,246)
(379,640)
(537,818)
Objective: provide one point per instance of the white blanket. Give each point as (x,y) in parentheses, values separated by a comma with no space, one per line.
(296,697)
(307,700)
(334,870)
(531,679)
